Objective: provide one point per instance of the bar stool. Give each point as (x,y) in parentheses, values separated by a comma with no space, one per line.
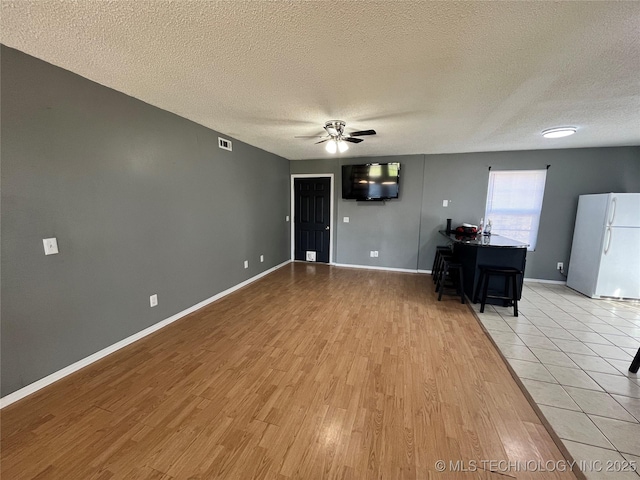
(442,256)
(448,267)
(636,363)
(436,260)
(510,292)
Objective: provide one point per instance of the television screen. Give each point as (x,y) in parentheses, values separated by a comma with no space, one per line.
(372,181)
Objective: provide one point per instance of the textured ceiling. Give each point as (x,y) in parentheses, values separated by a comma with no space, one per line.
(430,77)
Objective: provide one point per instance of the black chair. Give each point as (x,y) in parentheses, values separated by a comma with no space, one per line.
(445,278)
(510,292)
(437,260)
(636,363)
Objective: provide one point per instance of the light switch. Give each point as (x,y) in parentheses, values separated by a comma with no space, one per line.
(345,219)
(50,246)
(445,203)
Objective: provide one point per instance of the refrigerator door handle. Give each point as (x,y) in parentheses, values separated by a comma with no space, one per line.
(614,205)
(608,234)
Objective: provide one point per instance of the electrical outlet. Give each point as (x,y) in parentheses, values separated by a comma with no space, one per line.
(374,254)
(246,264)
(261,258)
(286,219)
(153,300)
(560,267)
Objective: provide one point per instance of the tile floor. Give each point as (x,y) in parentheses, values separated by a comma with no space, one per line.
(572,354)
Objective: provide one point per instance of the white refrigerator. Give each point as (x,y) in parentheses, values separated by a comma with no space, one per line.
(605,254)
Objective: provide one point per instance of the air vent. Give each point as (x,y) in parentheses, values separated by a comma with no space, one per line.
(225,144)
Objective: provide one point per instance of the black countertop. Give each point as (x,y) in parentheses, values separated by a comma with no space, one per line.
(484,240)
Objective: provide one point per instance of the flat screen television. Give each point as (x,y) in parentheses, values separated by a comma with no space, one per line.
(371,181)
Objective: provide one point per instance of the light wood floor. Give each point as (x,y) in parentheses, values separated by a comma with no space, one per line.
(313,372)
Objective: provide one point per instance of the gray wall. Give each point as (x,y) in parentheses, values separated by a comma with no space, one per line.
(141,201)
(388,227)
(463,178)
(407,229)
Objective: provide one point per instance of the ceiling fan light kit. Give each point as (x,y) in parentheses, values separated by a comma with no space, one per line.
(334,145)
(336,138)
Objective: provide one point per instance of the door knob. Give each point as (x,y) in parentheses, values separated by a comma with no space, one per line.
(327,227)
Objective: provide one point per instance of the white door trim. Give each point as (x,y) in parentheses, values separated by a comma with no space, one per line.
(293,210)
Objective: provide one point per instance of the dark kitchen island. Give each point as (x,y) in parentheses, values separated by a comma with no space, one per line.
(495,250)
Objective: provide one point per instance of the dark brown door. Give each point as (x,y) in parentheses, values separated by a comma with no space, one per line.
(311,218)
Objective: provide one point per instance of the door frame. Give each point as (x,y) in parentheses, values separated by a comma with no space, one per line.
(293,210)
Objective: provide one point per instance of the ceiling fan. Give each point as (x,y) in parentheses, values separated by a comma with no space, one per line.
(337,137)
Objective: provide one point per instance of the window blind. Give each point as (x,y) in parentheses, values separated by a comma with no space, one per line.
(514,203)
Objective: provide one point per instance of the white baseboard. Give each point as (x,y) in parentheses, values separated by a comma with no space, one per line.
(369,267)
(540,280)
(49,379)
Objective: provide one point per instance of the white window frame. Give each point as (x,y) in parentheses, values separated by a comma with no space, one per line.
(502,204)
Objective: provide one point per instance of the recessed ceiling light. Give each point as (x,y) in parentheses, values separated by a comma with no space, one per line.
(558,132)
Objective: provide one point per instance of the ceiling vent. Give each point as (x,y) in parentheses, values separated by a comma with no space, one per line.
(225,144)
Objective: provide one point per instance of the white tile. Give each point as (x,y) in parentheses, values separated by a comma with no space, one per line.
(588,319)
(598,403)
(625,436)
(594,461)
(552,357)
(573,377)
(531,312)
(531,370)
(631,405)
(570,307)
(618,322)
(543,322)
(603,313)
(576,426)
(517,352)
(622,340)
(552,394)
(605,328)
(623,367)
(576,325)
(596,341)
(537,341)
(562,317)
(505,337)
(495,324)
(609,351)
(570,346)
(526,328)
(521,320)
(633,463)
(593,364)
(618,384)
(559,333)
(591,337)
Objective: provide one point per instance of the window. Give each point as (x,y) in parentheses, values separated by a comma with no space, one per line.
(514,202)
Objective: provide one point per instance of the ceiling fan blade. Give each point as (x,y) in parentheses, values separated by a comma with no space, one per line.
(362,132)
(352,140)
(325,140)
(309,136)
